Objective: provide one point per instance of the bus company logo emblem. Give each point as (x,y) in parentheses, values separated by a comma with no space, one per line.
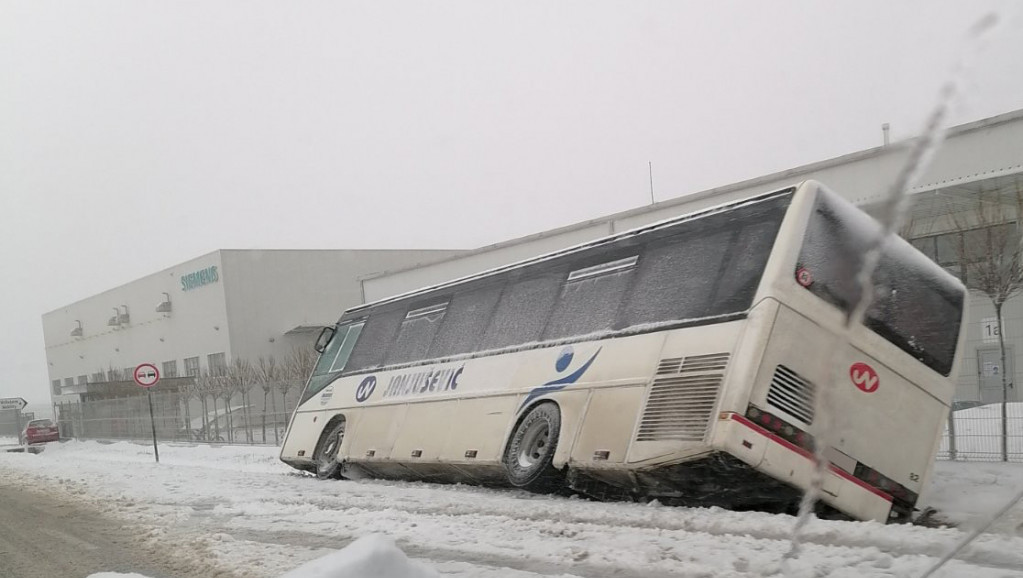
(365,388)
(327,394)
(864,377)
(561,365)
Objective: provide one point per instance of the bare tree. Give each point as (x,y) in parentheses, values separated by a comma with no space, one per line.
(297,367)
(268,373)
(204,386)
(991,255)
(237,379)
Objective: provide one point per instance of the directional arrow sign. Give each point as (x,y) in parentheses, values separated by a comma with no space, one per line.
(12,403)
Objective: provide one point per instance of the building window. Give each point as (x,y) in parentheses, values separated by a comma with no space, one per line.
(55,386)
(170,369)
(83,380)
(191,366)
(69,382)
(217,362)
(113,374)
(959,252)
(97,377)
(128,374)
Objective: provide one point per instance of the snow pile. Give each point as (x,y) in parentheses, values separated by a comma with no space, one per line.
(263,459)
(373,556)
(968,494)
(979,432)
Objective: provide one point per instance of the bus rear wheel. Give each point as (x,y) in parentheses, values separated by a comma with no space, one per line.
(529,457)
(328,463)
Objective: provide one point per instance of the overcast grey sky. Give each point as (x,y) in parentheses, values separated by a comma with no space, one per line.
(136,135)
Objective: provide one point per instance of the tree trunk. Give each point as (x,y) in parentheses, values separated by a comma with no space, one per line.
(273,402)
(230,418)
(1005,382)
(205,417)
(216,420)
(188,418)
(265,393)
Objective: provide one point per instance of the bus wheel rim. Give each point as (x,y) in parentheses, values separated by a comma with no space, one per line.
(534,444)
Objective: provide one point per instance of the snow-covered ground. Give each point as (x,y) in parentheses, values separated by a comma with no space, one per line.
(240,509)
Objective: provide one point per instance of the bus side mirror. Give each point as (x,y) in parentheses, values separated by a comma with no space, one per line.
(325,336)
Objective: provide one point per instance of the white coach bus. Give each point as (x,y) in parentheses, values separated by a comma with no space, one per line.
(679,361)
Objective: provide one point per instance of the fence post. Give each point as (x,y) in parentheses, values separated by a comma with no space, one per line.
(951,435)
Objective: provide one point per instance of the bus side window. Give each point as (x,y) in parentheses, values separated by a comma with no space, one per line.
(748,256)
(522,312)
(675,279)
(416,333)
(590,299)
(465,322)
(375,340)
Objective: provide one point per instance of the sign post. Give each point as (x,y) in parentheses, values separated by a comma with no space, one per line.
(17,404)
(146,376)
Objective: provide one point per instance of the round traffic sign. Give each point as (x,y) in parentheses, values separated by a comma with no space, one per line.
(146,375)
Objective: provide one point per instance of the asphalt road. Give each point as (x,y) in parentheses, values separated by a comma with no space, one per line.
(43,536)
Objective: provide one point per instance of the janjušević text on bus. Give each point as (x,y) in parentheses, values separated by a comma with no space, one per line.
(679,361)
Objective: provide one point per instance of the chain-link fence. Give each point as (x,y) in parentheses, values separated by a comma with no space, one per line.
(976,434)
(258,416)
(250,417)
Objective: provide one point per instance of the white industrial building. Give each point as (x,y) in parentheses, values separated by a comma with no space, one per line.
(199,315)
(207,311)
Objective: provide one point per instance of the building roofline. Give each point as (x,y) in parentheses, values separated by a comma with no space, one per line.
(221,252)
(794,174)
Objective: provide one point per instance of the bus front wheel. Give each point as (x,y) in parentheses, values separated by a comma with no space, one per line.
(528,459)
(328,463)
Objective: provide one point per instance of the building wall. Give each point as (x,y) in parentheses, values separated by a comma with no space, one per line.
(195,326)
(269,293)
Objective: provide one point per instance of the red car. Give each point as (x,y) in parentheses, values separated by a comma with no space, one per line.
(41,430)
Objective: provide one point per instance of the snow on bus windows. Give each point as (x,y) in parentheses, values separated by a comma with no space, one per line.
(590,298)
(711,267)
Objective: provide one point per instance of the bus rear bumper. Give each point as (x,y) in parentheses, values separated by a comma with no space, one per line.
(793,465)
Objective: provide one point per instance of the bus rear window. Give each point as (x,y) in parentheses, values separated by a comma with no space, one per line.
(916,305)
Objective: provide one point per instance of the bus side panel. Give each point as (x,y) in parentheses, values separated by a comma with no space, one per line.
(610,420)
(681,402)
(425,428)
(480,425)
(374,430)
(302,436)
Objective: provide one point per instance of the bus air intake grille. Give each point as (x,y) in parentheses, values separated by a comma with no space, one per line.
(682,398)
(791,393)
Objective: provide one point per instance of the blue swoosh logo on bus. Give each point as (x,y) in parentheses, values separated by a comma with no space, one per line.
(562,382)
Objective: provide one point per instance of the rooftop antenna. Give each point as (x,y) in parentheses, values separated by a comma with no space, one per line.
(650,166)
(884,131)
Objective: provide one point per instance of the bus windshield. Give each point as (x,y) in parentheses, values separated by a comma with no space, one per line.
(333,359)
(916,305)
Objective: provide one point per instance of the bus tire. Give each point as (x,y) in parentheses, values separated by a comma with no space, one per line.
(529,456)
(328,463)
